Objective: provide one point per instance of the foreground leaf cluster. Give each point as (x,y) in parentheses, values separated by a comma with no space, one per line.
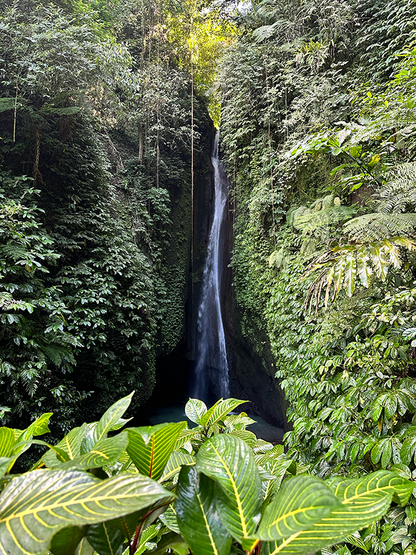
(212,489)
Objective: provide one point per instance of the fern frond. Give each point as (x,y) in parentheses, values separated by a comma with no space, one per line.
(399,193)
(325,217)
(379,225)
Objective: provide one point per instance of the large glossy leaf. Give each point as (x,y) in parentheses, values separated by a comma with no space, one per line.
(300,502)
(176,461)
(151,446)
(229,461)
(129,523)
(248,437)
(66,541)
(70,444)
(195,409)
(5,463)
(170,520)
(105,539)
(148,535)
(197,516)
(107,422)
(277,468)
(37,428)
(186,435)
(106,451)
(7,442)
(363,501)
(36,505)
(84,548)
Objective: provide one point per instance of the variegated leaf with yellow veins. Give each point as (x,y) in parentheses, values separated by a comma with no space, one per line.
(151,446)
(363,501)
(36,505)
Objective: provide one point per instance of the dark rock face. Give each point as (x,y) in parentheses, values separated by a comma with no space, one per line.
(251,375)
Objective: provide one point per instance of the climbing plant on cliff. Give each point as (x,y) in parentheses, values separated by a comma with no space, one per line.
(322,168)
(94,109)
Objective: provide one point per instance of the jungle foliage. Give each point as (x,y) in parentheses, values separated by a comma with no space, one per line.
(318,126)
(95,188)
(215,489)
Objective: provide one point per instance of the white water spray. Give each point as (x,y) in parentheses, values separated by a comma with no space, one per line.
(211,375)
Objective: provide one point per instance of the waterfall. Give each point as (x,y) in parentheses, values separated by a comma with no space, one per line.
(211,374)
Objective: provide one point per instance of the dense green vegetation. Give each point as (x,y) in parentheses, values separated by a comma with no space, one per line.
(168,488)
(95,153)
(318,125)
(106,111)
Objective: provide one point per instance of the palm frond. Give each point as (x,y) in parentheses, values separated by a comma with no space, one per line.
(340,267)
(379,225)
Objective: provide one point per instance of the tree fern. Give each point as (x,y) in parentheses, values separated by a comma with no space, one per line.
(399,193)
(377,226)
(325,217)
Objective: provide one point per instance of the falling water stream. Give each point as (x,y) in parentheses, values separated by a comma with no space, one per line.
(211,379)
(211,374)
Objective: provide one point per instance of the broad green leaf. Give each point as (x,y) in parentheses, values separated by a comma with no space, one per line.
(379,260)
(129,523)
(84,548)
(329,280)
(363,500)
(107,422)
(195,409)
(197,516)
(363,269)
(278,470)
(36,505)
(207,415)
(238,421)
(151,446)
(66,541)
(408,450)
(350,273)
(300,502)
(170,520)
(355,539)
(105,539)
(273,454)
(339,276)
(173,542)
(383,450)
(121,422)
(5,463)
(106,451)
(186,435)
(7,442)
(246,436)
(174,465)
(71,444)
(37,428)
(219,411)
(147,536)
(230,461)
